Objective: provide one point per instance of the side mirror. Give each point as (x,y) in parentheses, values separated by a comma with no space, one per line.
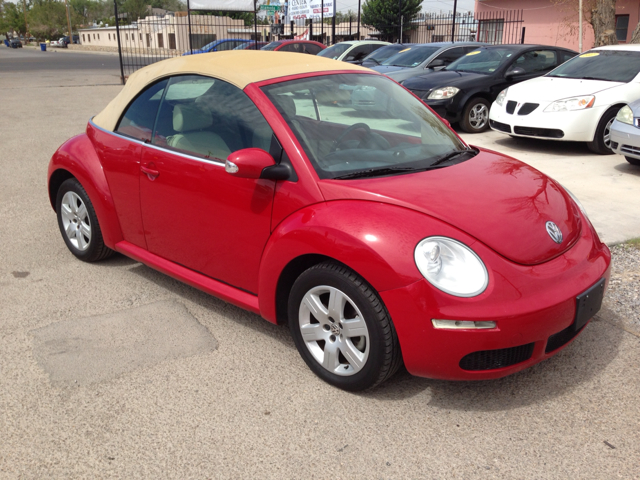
(438,62)
(515,71)
(255,163)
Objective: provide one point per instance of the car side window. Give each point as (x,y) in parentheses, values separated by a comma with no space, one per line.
(138,119)
(290,47)
(357,53)
(451,55)
(565,56)
(311,48)
(209,118)
(537,61)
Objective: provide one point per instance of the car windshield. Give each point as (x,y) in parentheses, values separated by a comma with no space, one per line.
(483,60)
(271,46)
(362,125)
(381,54)
(410,56)
(335,51)
(609,65)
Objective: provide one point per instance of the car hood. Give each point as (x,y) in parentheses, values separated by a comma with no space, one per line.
(444,78)
(500,201)
(549,89)
(386,69)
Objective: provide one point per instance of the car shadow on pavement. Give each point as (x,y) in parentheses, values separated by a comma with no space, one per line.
(582,360)
(215,305)
(536,145)
(628,169)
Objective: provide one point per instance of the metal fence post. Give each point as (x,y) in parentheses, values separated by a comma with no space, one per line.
(358,21)
(189,21)
(453,24)
(255,21)
(522,39)
(115,5)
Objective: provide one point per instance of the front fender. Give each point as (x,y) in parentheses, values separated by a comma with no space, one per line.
(78,158)
(376,240)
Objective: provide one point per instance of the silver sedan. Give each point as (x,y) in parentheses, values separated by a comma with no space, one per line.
(625,133)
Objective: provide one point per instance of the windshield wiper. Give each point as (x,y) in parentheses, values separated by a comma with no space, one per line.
(374,172)
(595,78)
(449,156)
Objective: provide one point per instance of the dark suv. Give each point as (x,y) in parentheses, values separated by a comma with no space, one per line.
(15,43)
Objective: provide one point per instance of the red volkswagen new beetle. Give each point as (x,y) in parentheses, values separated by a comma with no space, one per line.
(378,235)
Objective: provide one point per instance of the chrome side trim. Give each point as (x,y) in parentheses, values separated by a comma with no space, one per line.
(144,144)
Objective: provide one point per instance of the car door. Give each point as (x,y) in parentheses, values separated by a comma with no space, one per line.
(194,213)
(120,157)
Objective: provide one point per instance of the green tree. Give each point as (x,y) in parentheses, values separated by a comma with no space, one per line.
(384,16)
(13,18)
(48,19)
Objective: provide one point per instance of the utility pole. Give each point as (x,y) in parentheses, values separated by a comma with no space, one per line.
(580,26)
(66,3)
(26,24)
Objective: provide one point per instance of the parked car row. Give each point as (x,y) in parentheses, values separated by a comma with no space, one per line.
(535,91)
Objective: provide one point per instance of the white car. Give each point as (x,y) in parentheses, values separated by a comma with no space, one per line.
(575,102)
(352,51)
(60,43)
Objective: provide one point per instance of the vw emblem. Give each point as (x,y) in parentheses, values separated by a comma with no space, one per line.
(554,232)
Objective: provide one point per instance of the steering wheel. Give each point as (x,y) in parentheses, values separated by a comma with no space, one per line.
(353,127)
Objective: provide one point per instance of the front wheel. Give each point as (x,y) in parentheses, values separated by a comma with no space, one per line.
(79,224)
(475,118)
(601,143)
(342,329)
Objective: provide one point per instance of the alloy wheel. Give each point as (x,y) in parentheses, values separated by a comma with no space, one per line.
(334,330)
(75,221)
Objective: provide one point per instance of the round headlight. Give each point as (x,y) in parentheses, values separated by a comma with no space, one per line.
(451,266)
(625,115)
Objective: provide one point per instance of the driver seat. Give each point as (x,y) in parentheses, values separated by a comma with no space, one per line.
(191,122)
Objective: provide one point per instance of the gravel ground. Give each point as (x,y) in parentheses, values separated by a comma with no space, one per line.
(622,302)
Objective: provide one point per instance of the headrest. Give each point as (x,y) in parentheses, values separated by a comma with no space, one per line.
(190,117)
(286,106)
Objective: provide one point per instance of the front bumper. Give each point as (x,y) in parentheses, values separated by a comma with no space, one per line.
(577,125)
(533,306)
(625,139)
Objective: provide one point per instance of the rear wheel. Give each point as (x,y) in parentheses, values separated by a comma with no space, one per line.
(475,118)
(633,161)
(79,224)
(341,328)
(601,143)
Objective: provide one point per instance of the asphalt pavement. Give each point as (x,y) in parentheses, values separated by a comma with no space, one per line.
(115,370)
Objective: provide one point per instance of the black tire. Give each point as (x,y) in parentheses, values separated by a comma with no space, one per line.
(602,139)
(378,344)
(633,161)
(471,122)
(87,247)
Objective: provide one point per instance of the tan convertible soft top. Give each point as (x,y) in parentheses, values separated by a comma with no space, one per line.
(239,68)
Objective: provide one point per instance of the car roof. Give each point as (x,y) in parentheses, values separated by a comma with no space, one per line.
(631,48)
(237,67)
(284,42)
(361,42)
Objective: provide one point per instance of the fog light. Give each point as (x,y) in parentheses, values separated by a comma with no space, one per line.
(462,324)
